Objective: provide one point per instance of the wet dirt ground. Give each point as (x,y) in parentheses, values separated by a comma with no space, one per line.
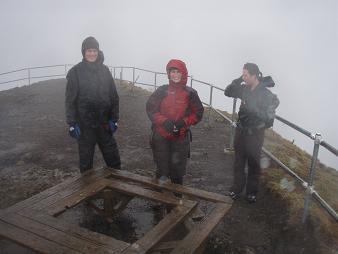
(37,153)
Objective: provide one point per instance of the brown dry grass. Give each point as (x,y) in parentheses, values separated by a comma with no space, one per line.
(325,184)
(299,161)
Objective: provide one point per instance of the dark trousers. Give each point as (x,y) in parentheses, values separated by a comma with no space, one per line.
(248,147)
(107,144)
(170,157)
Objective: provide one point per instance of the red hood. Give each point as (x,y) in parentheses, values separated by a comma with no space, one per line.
(178,64)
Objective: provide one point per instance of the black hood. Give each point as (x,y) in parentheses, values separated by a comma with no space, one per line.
(267,82)
(100,57)
(89,43)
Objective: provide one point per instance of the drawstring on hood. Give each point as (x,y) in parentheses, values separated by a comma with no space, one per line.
(179,65)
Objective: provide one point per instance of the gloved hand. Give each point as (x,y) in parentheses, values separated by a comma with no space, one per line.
(169,126)
(74,131)
(178,126)
(237,81)
(113,126)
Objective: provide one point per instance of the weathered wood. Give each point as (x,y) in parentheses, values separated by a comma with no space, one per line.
(75,198)
(135,190)
(108,201)
(155,235)
(71,189)
(121,205)
(84,178)
(82,233)
(202,194)
(57,236)
(117,208)
(195,239)
(32,241)
(165,246)
(30,223)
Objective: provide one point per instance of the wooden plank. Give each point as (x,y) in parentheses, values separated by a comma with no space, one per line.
(67,191)
(155,235)
(91,174)
(108,201)
(165,246)
(32,241)
(189,191)
(121,205)
(75,198)
(82,233)
(135,190)
(117,208)
(57,236)
(195,239)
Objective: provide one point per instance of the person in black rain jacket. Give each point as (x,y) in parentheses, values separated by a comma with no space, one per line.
(92,107)
(256,113)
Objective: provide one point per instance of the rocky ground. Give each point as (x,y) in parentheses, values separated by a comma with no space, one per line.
(36,153)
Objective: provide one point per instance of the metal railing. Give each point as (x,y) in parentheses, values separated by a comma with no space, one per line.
(318,141)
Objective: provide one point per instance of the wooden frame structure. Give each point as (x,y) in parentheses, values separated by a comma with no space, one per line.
(33,222)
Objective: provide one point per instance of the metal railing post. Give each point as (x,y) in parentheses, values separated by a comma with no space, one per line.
(121,74)
(29,76)
(210,98)
(65,69)
(233,126)
(155,80)
(114,72)
(191,79)
(133,75)
(309,187)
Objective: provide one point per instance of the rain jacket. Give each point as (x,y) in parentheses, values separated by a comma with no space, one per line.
(175,101)
(258,106)
(91,96)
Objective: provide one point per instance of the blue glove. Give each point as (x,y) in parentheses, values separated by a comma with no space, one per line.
(112,126)
(74,131)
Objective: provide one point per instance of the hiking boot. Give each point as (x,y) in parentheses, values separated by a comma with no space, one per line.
(251,198)
(233,195)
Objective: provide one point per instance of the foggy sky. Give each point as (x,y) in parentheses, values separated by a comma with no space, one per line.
(296,42)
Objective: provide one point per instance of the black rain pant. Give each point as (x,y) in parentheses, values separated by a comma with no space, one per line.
(107,144)
(248,147)
(170,157)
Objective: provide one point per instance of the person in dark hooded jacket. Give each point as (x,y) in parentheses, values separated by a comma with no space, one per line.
(256,113)
(92,107)
(172,109)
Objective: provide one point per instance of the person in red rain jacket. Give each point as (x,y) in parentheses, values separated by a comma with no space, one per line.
(172,109)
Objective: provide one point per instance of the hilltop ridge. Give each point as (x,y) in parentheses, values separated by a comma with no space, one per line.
(36,153)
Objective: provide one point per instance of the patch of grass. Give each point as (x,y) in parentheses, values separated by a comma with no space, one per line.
(325,183)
